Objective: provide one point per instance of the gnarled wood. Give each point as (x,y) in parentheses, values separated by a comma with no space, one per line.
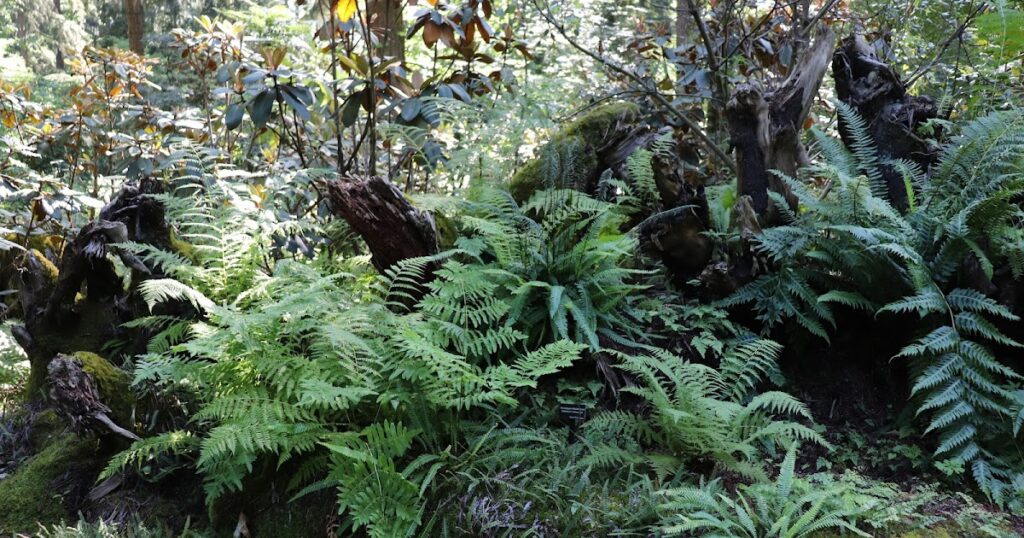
(392,228)
(765,127)
(73,392)
(876,92)
(84,305)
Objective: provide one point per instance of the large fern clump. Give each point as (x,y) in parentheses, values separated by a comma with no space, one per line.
(695,412)
(852,247)
(307,378)
(558,263)
(317,373)
(386,389)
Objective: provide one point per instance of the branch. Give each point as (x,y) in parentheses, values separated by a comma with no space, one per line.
(821,13)
(957,34)
(704,35)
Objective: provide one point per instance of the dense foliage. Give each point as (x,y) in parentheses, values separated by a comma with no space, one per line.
(602,334)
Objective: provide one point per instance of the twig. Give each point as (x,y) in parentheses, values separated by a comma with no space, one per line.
(945,46)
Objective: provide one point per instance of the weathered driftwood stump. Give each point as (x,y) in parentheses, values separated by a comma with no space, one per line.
(875,91)
(80,303)
(765,127)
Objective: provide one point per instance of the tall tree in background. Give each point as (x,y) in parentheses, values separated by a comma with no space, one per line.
(133,12)
(58,60)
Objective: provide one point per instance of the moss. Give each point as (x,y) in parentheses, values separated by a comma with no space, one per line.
(447,231)
(38,242)
(91,329)
(33,495)
(571,156)
(182,247)
(34,384)
(113,383)
(46,426)
(49,269)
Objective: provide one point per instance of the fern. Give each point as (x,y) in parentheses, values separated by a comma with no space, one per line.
(641,174)
(555,269)
(790,507)
(155,291)
(144,451)
(700,412)
(852,248)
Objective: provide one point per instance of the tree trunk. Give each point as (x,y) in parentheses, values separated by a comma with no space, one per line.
(134,13)
(874,90)
(765,127)
(388,27)
(20,24)
(59,53)
(682,23)
(20,31)
(392,228)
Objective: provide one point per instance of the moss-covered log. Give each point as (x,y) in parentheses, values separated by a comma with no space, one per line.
(576,155)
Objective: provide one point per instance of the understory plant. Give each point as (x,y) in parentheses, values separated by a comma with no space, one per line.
(694,412)
(397,395)
(790,507)
(560,263)
(937,261)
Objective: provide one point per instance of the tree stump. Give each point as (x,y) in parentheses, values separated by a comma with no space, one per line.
(874,90)
(765,127)
(393,229)
(81,303)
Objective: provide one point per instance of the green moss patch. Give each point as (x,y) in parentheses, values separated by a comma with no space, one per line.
(38,492)
(570,159)
(113,383)
(49,269)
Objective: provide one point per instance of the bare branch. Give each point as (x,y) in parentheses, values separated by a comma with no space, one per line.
(957,34)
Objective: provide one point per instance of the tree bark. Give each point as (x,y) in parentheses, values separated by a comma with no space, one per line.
(59,53)
(83,306)
(874,90)
(392,228)
(765,127)
(135,15)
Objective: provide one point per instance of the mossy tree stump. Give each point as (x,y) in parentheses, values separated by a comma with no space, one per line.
(80,303)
